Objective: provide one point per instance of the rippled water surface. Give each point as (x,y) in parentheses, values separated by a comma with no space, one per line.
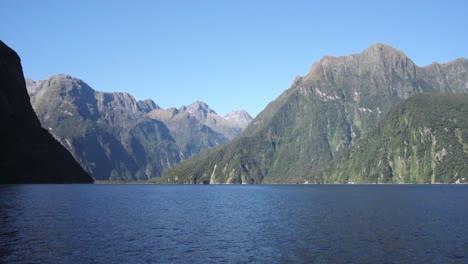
(212,224)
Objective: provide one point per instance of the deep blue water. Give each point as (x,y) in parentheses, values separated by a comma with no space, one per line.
(233,223)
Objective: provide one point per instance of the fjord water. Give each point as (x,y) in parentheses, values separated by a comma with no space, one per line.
(233,223)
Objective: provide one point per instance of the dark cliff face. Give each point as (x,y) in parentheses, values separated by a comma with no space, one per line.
(29,153)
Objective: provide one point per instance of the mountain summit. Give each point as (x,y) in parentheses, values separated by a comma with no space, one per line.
(240,118)
(320,116)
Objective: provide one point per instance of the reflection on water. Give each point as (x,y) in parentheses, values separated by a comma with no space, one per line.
(261,223)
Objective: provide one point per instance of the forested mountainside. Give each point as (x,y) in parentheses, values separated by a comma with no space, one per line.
(320,116)
(422,140)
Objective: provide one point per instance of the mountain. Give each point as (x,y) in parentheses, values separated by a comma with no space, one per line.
(197,126)
(320,116)
(423,140)
(240,119)
(230,126)
(29,153)
(115,137)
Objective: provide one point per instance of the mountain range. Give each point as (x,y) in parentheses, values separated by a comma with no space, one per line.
(373,117)
(29,153)
(335,106)
(115,137)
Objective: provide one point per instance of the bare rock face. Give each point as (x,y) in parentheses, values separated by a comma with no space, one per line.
(147,105)
(29,153)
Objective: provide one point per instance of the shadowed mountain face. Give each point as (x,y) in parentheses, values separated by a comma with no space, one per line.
(115,137)
(29,153)
(320,116)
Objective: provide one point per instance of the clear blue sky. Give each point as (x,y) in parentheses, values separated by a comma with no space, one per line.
(231,54)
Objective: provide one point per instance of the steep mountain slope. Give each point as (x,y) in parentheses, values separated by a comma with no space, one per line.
(114,136)
(320,116)
(29,153)
(423,140)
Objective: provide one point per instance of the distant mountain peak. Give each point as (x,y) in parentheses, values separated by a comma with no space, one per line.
(377,50)
(147,105)
(31,86)
(383,51)
(380,59)
(241,117)
(238,112)
(198,106)
(66,82)
(61,76)
(382,47)
(199,110)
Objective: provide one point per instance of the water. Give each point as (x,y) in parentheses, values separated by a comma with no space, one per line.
(235,224)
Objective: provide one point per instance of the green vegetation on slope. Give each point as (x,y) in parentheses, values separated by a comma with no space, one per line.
(423,140)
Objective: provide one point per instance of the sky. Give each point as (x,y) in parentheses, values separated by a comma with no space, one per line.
(232,55)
